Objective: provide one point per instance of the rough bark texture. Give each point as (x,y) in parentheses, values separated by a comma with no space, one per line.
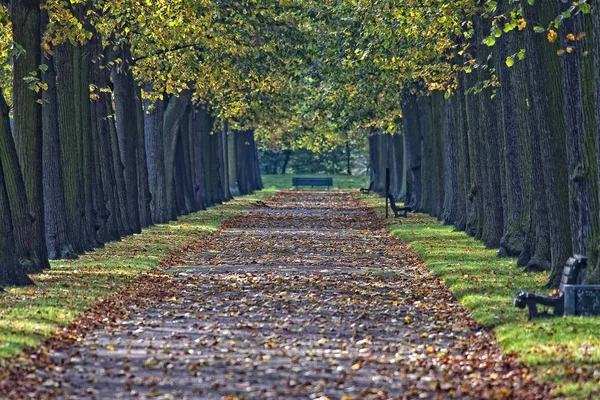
(451,162)
(153,130)
(174,115)
(549,127)
(593,274)
(11,269)
(125,92)
(58,241)
(412,141)
(513,160)
(27,128)
(144,194)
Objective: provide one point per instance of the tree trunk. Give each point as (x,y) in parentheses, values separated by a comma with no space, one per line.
(258,185)
(58,240)
(174,115)
(593,273)
(452,187)
(412,142)
(87,174)
(242,155)
(232,161)
(348,158)
(549,126)
(125,92)
(153,131)
(425,118)
(101,111)
(513,160)
(224,162)
(198,164)
(11,267)
(27,118)
(69,145)
(144,195)
(21,219)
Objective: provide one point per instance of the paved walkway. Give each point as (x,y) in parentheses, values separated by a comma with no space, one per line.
(308,297)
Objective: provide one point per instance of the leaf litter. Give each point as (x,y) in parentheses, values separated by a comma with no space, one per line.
(292,304)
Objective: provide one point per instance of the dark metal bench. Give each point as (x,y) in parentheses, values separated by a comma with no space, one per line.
(571,271)
(368,190)
(397,210)
(312,182)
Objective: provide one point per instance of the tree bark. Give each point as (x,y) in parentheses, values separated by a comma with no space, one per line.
(198,163)
(232,161)
(410,127)
(153,131)
(593,273)
(27,117)
(174,115)
(144,195)
(125,92)
(58,241)
(452,187)
(12,270)
(549,127)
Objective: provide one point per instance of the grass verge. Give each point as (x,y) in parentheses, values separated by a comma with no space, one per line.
(565,351)
(70,287)
(284,182)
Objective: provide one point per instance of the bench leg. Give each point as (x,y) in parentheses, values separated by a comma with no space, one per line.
(533,311)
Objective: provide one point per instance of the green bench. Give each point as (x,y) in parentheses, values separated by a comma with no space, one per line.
(312,182)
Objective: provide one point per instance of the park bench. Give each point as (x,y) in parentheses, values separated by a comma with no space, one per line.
(397,210)
(368,190)
(570,299)
(312,182)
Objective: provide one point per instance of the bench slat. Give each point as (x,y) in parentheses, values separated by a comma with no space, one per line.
(312,181)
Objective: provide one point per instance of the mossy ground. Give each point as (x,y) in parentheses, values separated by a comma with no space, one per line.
(565,351)
(70,287)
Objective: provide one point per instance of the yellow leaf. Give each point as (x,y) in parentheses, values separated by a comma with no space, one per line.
(580,35)
(570,36)
(552,36)
(560,52)
(355,367)
(521,24)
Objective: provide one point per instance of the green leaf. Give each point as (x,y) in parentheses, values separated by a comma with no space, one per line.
(510,61)
(521,54)
(490,41)
(585,8)
(538,29)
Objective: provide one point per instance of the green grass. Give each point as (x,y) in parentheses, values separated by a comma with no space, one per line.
(559,350)
(70,287)
(284,182)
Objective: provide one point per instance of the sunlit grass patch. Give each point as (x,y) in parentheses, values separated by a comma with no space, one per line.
(29,314)
(284,182)
(565,351)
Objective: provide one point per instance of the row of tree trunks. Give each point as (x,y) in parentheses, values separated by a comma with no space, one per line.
(516,167)
(387,152)
(88,161)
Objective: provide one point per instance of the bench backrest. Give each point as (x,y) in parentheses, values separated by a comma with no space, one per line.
(571,271)
(328,181)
